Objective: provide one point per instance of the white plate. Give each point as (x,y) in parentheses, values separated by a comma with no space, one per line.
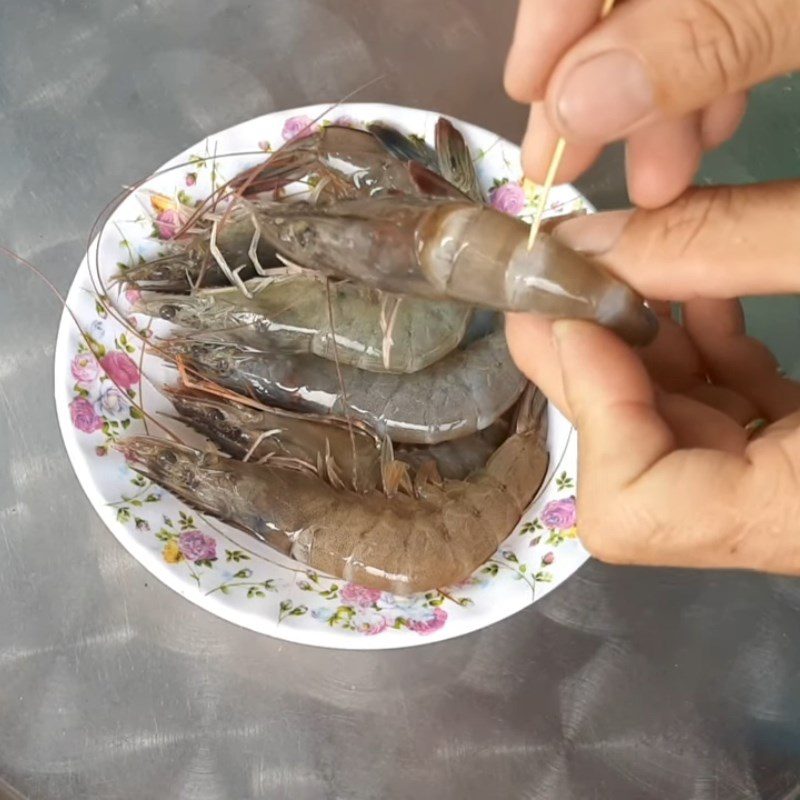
(219,568)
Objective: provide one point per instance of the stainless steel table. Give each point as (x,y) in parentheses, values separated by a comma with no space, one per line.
(624,683)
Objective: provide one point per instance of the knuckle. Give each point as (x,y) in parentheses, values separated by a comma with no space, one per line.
(772,491)
(603,538)
(686,225)
(729,40)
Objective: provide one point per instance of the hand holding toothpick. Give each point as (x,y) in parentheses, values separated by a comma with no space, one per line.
(555,163)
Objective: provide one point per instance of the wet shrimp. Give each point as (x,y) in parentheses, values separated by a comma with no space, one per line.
(459,457)
(464,392)
(400,544)
(345,455)
(455,161)
(371,330)
(190,262)
(346,162)
(444,248)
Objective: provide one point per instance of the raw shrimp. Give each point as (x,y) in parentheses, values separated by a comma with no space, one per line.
(191,262)
(373,331)
(442,248)
(344,455)
(457,458)
(399,544)
(381,160)
(406,148)
(464,392)
(455,161)
(348,162)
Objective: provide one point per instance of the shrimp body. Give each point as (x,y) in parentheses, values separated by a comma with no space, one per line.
(351,456)
(464,392)
(448,248)
(457,458)
(349,163)
(371,330)
(400,544)
(189,263)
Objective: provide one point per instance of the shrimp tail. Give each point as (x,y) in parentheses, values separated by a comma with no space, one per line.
(431,184)
(521,462)
(403,147)
(455,160)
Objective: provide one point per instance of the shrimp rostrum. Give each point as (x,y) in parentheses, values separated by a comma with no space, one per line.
(400,544)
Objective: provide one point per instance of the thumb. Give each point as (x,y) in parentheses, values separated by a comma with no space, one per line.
(652,59)
(719,242)
(613,404)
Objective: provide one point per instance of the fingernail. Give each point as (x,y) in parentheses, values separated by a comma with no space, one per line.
(604,96)
(593,234)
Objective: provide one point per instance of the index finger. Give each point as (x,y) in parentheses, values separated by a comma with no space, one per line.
(545,30)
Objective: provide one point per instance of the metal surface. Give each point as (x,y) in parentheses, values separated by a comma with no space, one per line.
(624,683)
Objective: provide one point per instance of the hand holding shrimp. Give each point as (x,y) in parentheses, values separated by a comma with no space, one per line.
(669,473)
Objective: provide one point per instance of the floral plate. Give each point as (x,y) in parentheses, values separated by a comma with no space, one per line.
(217,567)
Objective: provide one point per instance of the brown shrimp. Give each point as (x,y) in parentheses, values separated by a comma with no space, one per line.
(400,544)
(345,454)
(190,262)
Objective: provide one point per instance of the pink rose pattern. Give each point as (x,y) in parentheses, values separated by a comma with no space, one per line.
(375,611)
(298,128)
(356,595)
(373,625)
(196,546)
(84,417)
(119,367)
(430,623)
(346,122)
(168,223)
(103,392)
(85,368)
(508,198)
(560,514)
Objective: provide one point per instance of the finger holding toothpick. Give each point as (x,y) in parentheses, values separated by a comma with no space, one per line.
(558,155)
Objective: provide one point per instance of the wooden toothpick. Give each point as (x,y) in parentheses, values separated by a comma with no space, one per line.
(555,163)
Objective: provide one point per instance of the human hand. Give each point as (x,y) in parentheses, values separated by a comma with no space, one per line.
(668,474)
(668,77)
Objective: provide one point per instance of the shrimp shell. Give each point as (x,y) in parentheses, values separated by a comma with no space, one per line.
(445,248)
(348,454)
(371,330)
(459,457)
(399,544)
(189,262)
(464,392)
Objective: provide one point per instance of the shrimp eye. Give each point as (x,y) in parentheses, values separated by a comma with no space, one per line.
(169,312)
(216,415)
(168,459)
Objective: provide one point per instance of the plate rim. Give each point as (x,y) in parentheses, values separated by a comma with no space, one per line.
(317,637)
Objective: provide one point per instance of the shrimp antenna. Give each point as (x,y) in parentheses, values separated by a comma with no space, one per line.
(85,336)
